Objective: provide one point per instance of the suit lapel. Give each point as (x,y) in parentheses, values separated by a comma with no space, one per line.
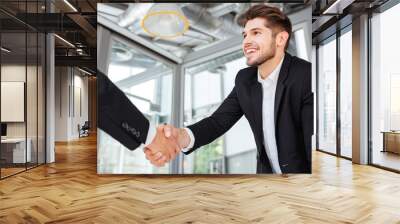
(256,98)
(280,87)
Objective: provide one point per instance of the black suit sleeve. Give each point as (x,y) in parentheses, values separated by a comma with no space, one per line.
(117,116)
(307,110)
(210,128)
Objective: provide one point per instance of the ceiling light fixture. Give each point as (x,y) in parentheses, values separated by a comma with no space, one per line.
(65,41)
(70,5)
(5,50)
(165,20)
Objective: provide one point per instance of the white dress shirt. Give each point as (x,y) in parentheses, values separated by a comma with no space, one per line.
(268,106)
(268,115)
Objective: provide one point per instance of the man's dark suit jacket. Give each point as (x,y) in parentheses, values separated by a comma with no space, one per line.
(293,115)
(117,116)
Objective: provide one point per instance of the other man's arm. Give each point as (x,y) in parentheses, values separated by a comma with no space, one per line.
(212,127)
(117,116)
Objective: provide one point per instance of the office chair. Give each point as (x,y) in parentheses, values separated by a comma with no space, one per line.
(84,130)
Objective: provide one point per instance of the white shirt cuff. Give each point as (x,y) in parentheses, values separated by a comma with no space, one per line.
(151,133)
(191,144)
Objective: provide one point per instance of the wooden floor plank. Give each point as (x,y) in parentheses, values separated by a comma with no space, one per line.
(70,191)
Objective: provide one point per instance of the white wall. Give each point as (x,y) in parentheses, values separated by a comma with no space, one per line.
(71,87)
(61,103)
(15,73)
(80,83)
(33,125)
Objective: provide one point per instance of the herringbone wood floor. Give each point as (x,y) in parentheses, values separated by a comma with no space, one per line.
(70,191)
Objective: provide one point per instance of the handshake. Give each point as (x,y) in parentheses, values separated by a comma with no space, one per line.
(166,144)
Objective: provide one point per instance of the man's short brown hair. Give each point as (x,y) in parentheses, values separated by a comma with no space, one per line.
(276,20)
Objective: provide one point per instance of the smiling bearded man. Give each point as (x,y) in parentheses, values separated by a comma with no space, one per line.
(274,94)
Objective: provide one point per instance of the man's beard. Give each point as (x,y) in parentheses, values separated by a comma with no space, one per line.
(263,58)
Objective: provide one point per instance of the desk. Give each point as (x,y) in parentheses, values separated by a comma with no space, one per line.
(391,141)
(15,148)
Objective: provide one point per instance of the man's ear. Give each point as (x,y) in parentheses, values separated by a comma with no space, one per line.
(281,38)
